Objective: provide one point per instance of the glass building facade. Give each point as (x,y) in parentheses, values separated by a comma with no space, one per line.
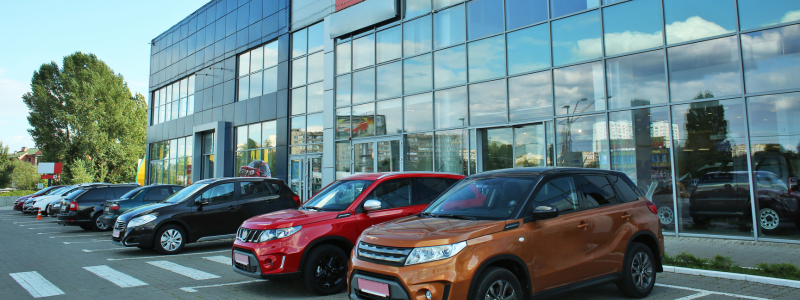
(693,100)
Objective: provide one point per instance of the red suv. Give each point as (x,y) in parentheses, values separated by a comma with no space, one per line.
(313,243)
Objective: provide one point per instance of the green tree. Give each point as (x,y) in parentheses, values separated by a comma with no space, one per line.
(84,111)
(81,172)
(6,166)
(25,176)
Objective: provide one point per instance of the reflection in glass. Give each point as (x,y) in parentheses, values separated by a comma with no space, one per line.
(363,86)
(451,149)
(363,120)
(343,90)
(244,89)
(450,107)
(244,64)
(564,7)
(632,26)
(388,44)
(415,8)
(255,85)
(298,131)
(299,101)
(299,42)
(579,89)
(449,27)
(299,72)
(363,52)
(314,97)
(439,4)
(528,49)
(497,152)
(417,36)
(529,146)
(389,117)
(343,123)
(343,159)
(771,59)
(581,142)
(524,12)
(759,13)
(271,54)
(314,131)
(636,80)
(774,139)
(704,70)
(691,20)
(551,142)
(254,136)
(417,75)
(297,149)
(530,96)
(269,134)
(487,59)
(270,80)
(418,112)
(316,37)
(576,38)
(487,102)
(241,138)
(256,59)
(389,156)
(315,67)
(484,18)
(450,66)
(420,152)
(389,80)
(710,156)
(343,59)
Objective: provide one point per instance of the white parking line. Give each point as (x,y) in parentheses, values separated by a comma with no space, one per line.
(36,285)
(40,224)
(181,270)
(194,288)
(67,236)
(35,228)
(147,257)
(694,296)
(95,241)
(108,249)
(707,292)
(116,277)
(220,259)
(37,221)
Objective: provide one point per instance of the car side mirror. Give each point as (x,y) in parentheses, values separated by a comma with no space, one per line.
(372,204)
(201,201)
(544,212)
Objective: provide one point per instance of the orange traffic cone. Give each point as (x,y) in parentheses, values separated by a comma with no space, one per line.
(39,216)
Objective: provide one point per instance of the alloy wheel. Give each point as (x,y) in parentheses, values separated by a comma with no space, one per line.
(100,224)
(768,218)
(330,271)
(641,271)
(666,215)
(171,239)
(500,290)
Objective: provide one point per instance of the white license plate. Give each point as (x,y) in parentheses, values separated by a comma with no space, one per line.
(115,233)
(242,259)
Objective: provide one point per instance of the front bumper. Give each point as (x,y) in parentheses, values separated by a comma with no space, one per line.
(71,220)
(131,238)
(277,259)
(108,220)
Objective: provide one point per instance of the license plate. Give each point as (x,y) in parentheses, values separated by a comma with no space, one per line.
(115,233)
(242,259)
(372,287)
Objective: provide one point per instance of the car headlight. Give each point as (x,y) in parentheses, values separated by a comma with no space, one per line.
(426,254)
(141,221)
(274,234)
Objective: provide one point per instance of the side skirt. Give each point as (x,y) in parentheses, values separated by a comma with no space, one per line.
(613,277)
(216,237)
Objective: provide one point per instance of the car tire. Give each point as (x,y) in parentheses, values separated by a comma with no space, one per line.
(768,219)
(325,270)
(638,272)
(666,214)
(498,283)
(99,226)
(45,210)
(169,239)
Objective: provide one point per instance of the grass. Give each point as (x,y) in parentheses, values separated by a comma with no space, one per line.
(18,193)
(726,264)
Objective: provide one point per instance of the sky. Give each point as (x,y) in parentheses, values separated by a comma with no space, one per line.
(42,31)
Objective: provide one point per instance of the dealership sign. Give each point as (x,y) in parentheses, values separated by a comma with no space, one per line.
(366,13)
(50,168)
(342,4)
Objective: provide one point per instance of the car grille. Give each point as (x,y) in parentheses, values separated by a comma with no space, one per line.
(120,225)
(384,254)
(248,235)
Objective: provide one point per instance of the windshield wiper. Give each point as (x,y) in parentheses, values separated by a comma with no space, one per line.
(456,216)
(427,214)
(314,208)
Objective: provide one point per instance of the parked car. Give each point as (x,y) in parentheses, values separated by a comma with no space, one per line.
(30,207)
(45,202)
(313,243)
(45,191)
(150,194)
(82,203)
(256,168)
(210,209)
(510,234)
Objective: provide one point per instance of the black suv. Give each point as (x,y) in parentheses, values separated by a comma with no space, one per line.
(210,209)
(150,194)
(80,204)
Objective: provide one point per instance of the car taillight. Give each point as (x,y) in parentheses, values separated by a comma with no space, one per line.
(73,205)
(652,207)
(296,198)
(114,206)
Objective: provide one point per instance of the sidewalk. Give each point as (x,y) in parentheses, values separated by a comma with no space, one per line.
(744,253)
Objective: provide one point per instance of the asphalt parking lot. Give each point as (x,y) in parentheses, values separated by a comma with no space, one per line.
(42,259)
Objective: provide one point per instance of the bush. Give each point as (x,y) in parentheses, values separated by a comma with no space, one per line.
(18,193)
(25,176)
(726,264)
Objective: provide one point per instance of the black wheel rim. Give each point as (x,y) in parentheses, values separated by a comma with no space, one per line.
(501,289)
(641,271)
(330,271)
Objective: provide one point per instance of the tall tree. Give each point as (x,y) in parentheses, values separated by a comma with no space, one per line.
(6,166)
(85,111)
(25,175)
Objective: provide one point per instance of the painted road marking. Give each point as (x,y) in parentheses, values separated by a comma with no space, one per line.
(38,221)
(194,288)
(107,249)
(116,277)
(707,291)
(40,224)
(181,270)
(66,236)
(44,227)
(695,296)
(220,259)
(36,285)
(95,241)
(147,257)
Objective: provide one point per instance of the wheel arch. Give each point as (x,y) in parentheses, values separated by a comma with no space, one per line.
(648,239)
(337,241)
(509,262)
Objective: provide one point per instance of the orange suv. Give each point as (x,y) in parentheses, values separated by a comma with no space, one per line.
(510,234)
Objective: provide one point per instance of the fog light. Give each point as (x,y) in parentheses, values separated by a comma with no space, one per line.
(428,295)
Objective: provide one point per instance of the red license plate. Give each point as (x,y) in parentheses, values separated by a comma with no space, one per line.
(372,287)
(242,259)
(115,233)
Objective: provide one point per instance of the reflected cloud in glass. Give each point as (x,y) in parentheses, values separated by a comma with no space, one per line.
(579,89)
(418,112)
(363,86)
(450,107)
(632,26)
(417,75)
(343,90)
(488,102)
(771,59)
(449,27)
(388,44)
(389,117)
(450,66)
(530,96)
(417,36)
(704,70)
(363,52)
(487,59)
(528,49)
(390,80)
(691,20)
(484,18)
(577,38)
(637,80)
(760,13)
(524,12)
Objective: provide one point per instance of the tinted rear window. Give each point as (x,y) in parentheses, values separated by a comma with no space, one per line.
(626,192)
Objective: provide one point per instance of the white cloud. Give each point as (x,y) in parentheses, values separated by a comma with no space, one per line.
(693,28)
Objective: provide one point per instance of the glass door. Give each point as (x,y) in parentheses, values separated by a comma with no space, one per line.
(512,147)
(305,175)
(383,155)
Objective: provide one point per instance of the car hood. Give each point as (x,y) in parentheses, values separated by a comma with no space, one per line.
(288,218)
(143,210)
(411,232)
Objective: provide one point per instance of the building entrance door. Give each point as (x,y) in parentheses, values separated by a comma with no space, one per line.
(305,175)
(383,155)
(513,147)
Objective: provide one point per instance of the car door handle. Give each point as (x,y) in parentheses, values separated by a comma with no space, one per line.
(231,207)
(627,216)
(583,225)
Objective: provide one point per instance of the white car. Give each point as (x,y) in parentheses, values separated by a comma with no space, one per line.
(44,201)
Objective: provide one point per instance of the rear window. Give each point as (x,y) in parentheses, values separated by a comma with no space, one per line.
(626,192)
(597,191)
(93,195)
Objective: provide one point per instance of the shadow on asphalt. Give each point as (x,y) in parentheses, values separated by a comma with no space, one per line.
(188,249)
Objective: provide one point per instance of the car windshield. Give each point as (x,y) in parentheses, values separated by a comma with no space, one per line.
(67,191)
(338,196)
(132,193)
(57,191)
(493,198)
(185,193)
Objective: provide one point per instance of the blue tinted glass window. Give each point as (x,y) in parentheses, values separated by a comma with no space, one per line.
(417,75)
(450,107)
(564,7)
(484,18)
(299,43)
(487,58)
(388,44)
(389,78)
(448,27)
(418,112)
(690,19)
(576,38)
(450,67)
(528,49)
(416,8)
(363,86)
(524,12)
(417,36)
(704,70)
(579,89)
(759,13)
(316,37)
(488,102)
(636,80)
(771,59)
(439,4)
(632,26)
(343,89)
(530,96)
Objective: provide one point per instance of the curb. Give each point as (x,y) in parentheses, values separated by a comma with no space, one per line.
(734,276)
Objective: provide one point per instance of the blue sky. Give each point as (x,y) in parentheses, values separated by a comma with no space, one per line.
(38,32)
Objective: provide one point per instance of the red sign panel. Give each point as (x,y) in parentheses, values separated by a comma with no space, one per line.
(342,4)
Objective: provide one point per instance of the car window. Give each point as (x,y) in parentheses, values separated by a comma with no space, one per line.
(393,193)
(253,189)
(120,191)
(93,195)
(219,194)
(175,189)
(428,189)
(337,196)
(493,198)
(559,192)
(158,194)
(597,191)
(276,187)
(626,192)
